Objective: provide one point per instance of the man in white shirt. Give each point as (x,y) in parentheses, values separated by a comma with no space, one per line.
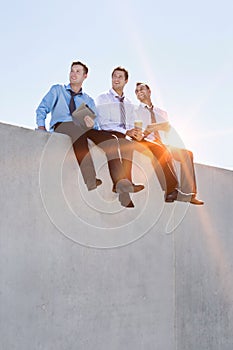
(149,114)
(116,114)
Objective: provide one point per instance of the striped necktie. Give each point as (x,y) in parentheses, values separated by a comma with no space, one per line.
(153,120)
(122,110)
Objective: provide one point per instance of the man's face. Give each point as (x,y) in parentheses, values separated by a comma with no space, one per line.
(142,93)
(118,80)
(77,74)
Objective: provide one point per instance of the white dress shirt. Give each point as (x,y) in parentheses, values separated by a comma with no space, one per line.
(143,114)
(109,115)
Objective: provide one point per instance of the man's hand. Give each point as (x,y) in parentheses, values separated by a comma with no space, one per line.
(135,134)
(89,121)
(42,128)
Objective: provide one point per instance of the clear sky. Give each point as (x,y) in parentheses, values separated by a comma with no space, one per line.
(182,49)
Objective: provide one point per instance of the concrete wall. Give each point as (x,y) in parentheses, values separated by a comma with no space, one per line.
(78,271)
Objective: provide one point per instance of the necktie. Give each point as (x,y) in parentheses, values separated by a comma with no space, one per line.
(153,120)
(122,110)
(72,106)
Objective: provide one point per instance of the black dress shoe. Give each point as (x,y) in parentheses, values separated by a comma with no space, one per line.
(134,188)
(171,197)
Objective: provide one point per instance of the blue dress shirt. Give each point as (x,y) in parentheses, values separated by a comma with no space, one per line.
(56,102)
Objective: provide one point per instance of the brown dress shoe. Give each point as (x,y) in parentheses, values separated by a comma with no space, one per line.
(171,197)
(125,200)
(98,182)
(196,201)
(134,188)
(123,187)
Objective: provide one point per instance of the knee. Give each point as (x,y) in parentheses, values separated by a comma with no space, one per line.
(111,147)
(190,154)
(126,146)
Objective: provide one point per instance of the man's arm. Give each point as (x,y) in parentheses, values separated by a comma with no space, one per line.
(45,107)
(164,126)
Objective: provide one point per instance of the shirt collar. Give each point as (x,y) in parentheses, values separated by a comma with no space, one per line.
(68,87)
(144,105)
(115,94)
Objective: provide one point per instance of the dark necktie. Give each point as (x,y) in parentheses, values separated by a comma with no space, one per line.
(153,120)
(122,110)
(72,106)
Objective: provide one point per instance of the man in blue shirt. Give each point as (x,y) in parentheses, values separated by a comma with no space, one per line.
(60,101)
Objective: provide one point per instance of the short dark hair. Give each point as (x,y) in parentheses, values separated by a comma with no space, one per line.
(85,68)
(122,69)
(147,86)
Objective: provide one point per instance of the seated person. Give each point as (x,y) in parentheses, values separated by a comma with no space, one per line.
(61,101)
(150,114)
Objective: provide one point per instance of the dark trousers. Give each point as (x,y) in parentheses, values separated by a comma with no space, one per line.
(103,139)
(187,172)
(126,152)
(162,162)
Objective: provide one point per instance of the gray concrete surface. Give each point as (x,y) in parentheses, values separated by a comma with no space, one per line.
(78,271)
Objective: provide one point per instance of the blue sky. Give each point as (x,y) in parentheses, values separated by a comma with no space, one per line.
(184,50)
